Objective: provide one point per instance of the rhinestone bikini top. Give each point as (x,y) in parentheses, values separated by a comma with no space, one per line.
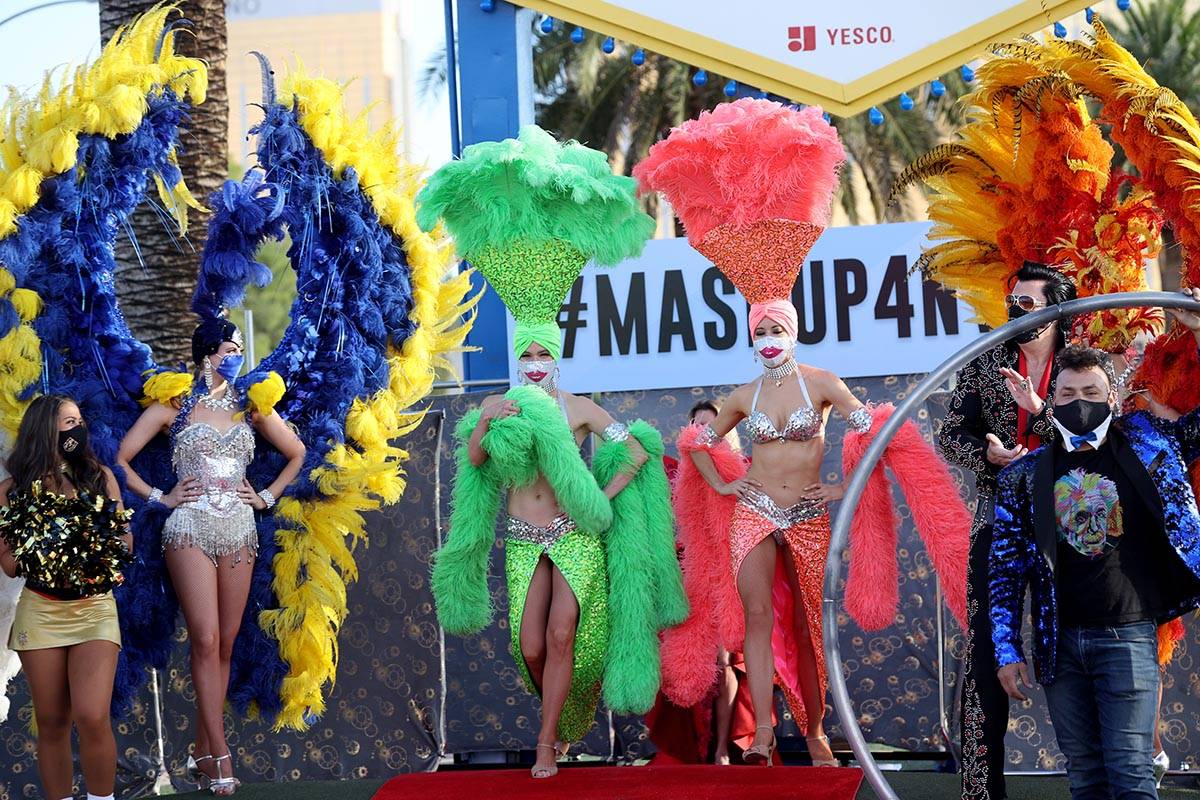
(802,424)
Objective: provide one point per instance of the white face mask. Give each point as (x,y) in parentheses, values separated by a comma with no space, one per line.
(783,344)
(543,374)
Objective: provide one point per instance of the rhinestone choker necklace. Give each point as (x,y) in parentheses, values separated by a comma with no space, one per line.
(226,402)
(777,374)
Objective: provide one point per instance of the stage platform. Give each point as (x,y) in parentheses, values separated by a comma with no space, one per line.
(909,785)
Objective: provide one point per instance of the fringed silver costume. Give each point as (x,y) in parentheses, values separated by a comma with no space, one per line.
(219,523)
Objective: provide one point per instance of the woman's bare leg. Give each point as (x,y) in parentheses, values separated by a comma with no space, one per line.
(91,668)
(534,618)
(46,671)
(195,580)
(754,580)
(726,697)
(234,573)
(560,664)
(808,643)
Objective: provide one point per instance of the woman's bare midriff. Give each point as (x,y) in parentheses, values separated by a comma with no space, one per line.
(785,469)
(534,504)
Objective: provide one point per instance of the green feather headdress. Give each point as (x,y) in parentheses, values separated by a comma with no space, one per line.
(529,213)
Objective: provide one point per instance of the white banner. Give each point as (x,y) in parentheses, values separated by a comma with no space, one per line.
(669,319)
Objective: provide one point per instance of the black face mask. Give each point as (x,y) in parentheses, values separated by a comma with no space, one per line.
(72,443)
(1016,312)
(1082,416)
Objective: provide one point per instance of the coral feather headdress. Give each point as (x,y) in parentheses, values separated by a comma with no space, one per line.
(752,182)
(529,213)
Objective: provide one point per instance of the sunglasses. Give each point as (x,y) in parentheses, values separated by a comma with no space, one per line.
(1023,302)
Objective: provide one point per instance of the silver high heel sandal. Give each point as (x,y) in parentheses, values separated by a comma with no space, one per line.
(761,753)
(194,773)
(222,786)
(546,772)
(825,762)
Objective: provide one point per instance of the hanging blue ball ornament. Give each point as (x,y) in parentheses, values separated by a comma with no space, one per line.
(906,102)
(826,117)
(760,94)
(875,115)
(1123,4)
(639,57)
(487,6)
(1089,14)
(730,89)
(548,25)
(967,73)
(577,36)
(700,78)
(1060,30)
(937,88)
(608,45)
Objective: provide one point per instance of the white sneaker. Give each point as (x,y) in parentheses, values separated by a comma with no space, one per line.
(1162,763)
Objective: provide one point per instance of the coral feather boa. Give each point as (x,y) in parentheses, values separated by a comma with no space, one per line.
(705,518)
(872,591)
(941,518)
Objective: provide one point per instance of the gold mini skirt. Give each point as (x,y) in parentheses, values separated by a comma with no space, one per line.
(41,623)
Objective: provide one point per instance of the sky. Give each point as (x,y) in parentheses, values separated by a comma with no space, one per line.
(68,34)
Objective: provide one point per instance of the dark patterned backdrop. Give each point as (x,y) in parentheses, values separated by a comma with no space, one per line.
(385,715)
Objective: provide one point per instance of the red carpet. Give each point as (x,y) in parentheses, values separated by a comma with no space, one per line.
(629,783)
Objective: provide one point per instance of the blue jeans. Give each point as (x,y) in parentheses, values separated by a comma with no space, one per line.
(1103,703)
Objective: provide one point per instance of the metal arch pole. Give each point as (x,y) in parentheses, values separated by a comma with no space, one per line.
(839,535)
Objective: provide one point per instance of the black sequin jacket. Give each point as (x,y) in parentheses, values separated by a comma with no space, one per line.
(981,404)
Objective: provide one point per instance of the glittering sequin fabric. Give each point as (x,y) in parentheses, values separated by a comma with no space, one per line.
(802,424)
(219,523)
(981,404)
(579,556)
(803,529)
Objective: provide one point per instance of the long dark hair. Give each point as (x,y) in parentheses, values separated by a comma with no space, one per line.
(35,453)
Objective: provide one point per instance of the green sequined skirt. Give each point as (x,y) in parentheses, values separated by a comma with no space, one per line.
(579,556)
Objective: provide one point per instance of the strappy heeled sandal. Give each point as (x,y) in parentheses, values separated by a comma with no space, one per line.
(195,774)
(546,772)
(825,762)
(221,786)
(761,753)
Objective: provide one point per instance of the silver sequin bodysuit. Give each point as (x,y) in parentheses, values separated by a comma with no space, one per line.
(219,523)
(802,424)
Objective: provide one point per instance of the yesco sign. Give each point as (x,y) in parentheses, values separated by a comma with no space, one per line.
(846,56)
(670,319)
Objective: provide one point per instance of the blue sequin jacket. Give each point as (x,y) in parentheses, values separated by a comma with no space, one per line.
(1154,453)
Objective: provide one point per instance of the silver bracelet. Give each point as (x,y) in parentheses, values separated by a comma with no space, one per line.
(707,438)
(156,496)
(267,497)
(616,432)
(860,420)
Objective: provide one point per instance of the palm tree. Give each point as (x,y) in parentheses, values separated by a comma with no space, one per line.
(877,154)
(155,290)
(1164,36)
(606,101)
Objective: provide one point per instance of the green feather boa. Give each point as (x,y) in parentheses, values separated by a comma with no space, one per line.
(645,588)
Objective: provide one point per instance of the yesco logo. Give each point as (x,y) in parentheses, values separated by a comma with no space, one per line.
(803,38)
